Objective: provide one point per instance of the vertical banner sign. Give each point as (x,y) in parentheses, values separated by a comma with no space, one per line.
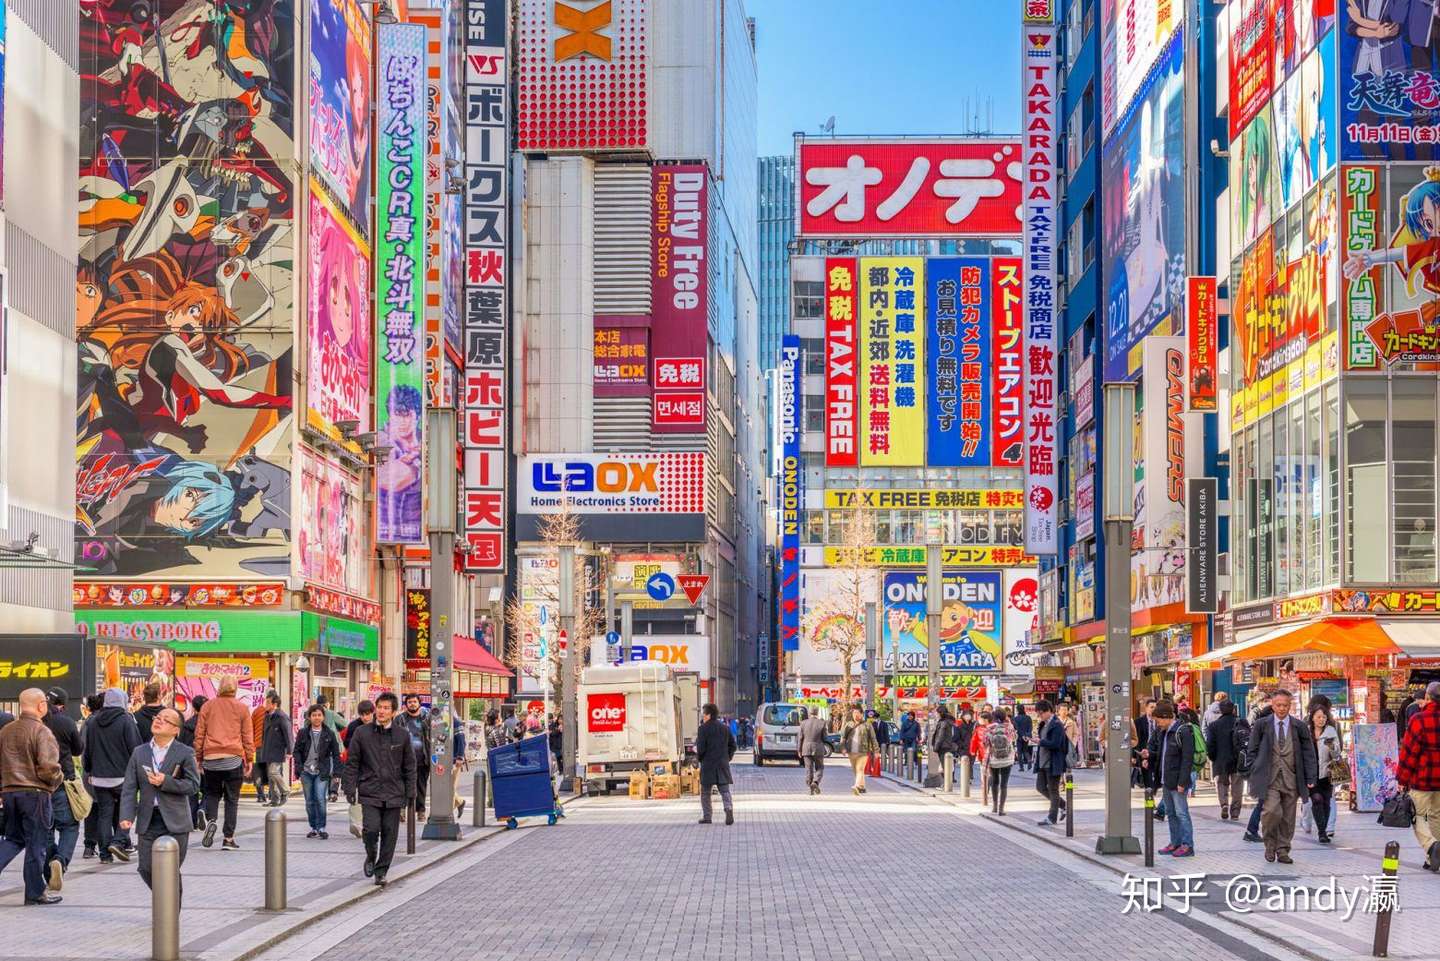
(974,373)
(399,281)
(680,238)
(1201,331)
(435,176)
(942,301)
(1201,594)
(1364,292)
(1007,390)
(1038,88)
(842,406)
(792,480)
(892,348)
(486,308)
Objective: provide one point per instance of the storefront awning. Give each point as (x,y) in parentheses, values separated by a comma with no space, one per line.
(1414,638)
(471,655)
(1332,635)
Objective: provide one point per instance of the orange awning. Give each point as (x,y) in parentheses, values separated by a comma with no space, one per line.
(1348,636)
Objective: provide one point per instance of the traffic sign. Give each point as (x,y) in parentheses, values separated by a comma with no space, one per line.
(612,638)
(660,586)
(694,585)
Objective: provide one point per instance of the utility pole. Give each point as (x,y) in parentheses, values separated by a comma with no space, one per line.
(934,606)
(440,428)
(872,651)
(569,739)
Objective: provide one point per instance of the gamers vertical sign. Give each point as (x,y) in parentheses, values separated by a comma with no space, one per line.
(791,486)
(1040,82)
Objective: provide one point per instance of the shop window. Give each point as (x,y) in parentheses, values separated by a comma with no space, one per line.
(908,527)
(1365,480)
(1239,557)
(1313,495)
(882,527)
(1282,503)
(815,527)
(1332,482)
(1412,425)
(1294,488)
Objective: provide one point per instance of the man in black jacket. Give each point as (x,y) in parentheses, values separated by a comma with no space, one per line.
(1168,760)
(1050,762)
(715,746)
(416,722)
(380,776)
(1225,761)
(1024,730)
(274,748)
(149,707)
(66,825)
(110,738)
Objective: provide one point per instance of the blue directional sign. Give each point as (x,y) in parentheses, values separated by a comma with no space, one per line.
(612,638)
(660,586)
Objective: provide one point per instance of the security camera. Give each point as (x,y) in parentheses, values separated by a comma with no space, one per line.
(347,427)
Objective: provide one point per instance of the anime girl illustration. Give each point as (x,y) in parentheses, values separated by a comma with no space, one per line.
(1256,179)
(339,335)
(397,481)
(1414,248)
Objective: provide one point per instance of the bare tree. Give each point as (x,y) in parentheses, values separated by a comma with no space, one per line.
(836,622)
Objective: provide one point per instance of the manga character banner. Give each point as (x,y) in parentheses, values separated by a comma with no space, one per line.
(340,78)
(970,623)
(338,386)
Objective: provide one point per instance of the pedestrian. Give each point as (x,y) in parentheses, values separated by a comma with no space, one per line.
(534,720)
(942,742)
(512,725)
(66,825)
(224,746)
(276,743)
(29,774)
(89,708)
(1407,714)
(111,736)
(1024,730)
(979,748)
(1282,766)
(715,746)
(495,735)
(1419,773)
(380,777)
(416,723)
(150,708)
(1000,740)
(162,776)
(910,736)
(1053,749)
(882,728)
(336,723)
(1252,828)
(317,756)
(364,714)
(1072,734)
(187,738)
(1225,754)
(1142,725)
(1169,760)
(557,741)
(1261,707)
(858,739)
(964,731)
(812,749)
(259,776)
(1318,812)
(1212,713)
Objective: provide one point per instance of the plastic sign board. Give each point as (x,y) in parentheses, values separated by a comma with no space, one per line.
(613,483)
(605,713)
(660,586)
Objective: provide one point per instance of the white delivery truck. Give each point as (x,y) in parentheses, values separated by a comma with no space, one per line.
(630,717)
(688,683)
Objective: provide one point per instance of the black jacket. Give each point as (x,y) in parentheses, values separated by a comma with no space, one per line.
(67,735)
(966,731)
(1054,754)
(275,742)
(379,766)
(942,741)
(1220,744)
(1261,750)
(146,717)
(187,730)
(418,728)
(1024,727)
(110,738)
(327,762)
(1178,742)
(350,730)
(714,746)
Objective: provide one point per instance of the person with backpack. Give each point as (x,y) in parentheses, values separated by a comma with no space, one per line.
(1225,741)
(1169,760)
(1202,754)
(1000,741)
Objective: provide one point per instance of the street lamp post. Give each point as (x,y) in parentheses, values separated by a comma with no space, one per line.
(934,607)
(440,427)
(568,738)
(872,651)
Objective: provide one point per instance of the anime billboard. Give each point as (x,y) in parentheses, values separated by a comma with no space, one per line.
(184,299)
(970,621)
(1389,74)
(340,73)
(338,310)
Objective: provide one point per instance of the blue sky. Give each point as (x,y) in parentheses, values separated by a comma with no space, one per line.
(884,66)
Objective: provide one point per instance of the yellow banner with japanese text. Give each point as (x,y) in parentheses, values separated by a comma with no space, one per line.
(960,555)
(892,351)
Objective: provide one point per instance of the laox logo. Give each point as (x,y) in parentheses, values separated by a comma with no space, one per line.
(611,477)
(606,713)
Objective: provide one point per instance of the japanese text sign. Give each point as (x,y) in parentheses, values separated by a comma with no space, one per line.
(791,482)
(680,285)
(959,357)
(1007,392)
(842,403)
(622,360)
(1203,339)
(892,348)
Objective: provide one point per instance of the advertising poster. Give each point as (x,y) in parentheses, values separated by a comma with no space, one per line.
(338,317)
(970,623)
(842,403)
(680,240)
(1022,616)
(1252,60)
(417,624)
(1389,81)
(1363,222)
(1171,444)
(340,78)
(538,589)
(1255,174)
(792,486)
(892,372)
(1143,215)
(622,358)
(183,432)
(671,482)
(195,676)
(1203,339)
(958,355)
(1292,160)
(334,551)
(1376,763)
(1320,122)
(1007,389)
(816,656)
(400,289)
(1133,35)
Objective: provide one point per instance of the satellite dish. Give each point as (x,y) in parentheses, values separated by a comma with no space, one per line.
(829,125)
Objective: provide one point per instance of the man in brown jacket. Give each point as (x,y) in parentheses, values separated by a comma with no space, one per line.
(29,774)
(224,746)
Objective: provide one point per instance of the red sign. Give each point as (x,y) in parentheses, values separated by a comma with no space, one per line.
(622,357)
(1252,61)
(133,594)
(1200,327)
(342,605)
(1007,365)
(842,406)
(680,241)
(862,187)
(680,373)
(694,585)
(605,713)
(679,408)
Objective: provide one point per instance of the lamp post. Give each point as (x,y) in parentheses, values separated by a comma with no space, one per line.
(1119,504)
(872,651)
(566,583)
(440,518)
(934,606)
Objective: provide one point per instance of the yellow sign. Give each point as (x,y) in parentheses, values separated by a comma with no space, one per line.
(951,556)
(892,372)
(845,498)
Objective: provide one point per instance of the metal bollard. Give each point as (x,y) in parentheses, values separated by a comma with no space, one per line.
(1149,827)
(275,860)
(1069,805)
(477,803)
(1389,865)
(410,826)
(165,899)
(966,763)
(948,781)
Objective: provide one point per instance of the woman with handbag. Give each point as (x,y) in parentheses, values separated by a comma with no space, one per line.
(1331,762)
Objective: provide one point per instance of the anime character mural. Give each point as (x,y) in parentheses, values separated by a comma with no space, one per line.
(340,58)
(1410,329)
(1389,79)
(339,326)
(184,293)
(397,481)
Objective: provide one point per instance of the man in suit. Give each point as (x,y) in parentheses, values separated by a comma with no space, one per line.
(715,746)
(1282,765)
(159,781)
(812,749)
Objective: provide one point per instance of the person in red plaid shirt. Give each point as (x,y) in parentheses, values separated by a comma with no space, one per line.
(1420,773)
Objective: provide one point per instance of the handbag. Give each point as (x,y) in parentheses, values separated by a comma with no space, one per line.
(1398,812)
(357,820)
(79,798)
(1338,772)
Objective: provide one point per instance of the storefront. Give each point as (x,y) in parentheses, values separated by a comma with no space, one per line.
(1159,665)
(479,681)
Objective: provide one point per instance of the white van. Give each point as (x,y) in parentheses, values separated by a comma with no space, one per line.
(777,732)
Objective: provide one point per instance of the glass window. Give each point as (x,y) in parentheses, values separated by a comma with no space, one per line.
(1295,486)
(815,527)
(814,417)
(1265,512)
(1252,465)
(1282,503)
(1332,482)
(837,521)
(882,527)
(1238,554)
(1365,480)
(1412,423)
(1312,495)
(907,527)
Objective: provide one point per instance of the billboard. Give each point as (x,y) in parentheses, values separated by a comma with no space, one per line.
(680,293)
(1040,88)
(1133,35)
(1142,243)
(399,286)
(584,72)
(622,357)
(846,498)
(958,361)
(892,371)
(1255,172)
(970,621)
(1389,81)
(485,313)
(612,483)
(887,187)
(185,299)
(1203,339)
(1021,616)
(332,543)
(842,403)
(1007,341)
(338,385)
(792,485)
(340,78)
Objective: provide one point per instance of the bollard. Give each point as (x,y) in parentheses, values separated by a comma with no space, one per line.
(1069,805)
(410,826)
(165,899)
(275,860)
(477,803)
(948,781)
(965,765)
(1149,827)
(1389,865)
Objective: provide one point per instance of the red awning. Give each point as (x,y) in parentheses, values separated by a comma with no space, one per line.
(470,655)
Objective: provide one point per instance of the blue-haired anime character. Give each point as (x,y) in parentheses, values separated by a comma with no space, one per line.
(397,480)
(1415,247)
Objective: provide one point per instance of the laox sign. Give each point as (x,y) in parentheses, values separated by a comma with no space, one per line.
(606,713)
(612,477)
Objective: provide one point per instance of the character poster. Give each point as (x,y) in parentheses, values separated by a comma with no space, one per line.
(970,623)
(332,541)
(184,293)
(340,78)
(1389,74)
(339,317)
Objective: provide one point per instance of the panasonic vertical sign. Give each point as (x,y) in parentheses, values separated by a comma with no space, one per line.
(792,483)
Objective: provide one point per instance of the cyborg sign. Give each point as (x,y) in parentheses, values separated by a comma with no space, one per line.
(663,483)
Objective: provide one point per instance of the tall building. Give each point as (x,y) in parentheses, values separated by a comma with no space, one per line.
(776,224)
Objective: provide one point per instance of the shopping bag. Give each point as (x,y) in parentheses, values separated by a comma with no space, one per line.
(1398,812)
(357,820)
(872,766)
(79,798)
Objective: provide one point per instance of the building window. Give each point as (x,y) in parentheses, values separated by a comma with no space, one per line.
(1282,504)
(814,415)
(1412,424)
(1264,524)
(815,527)
(1365,480)
(1332,483)
(1239,554)
(1313,494)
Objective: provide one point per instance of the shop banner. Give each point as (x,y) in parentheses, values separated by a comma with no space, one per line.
(792,486)
(614,483)
(436,94)
(417,625)
(45,661)
(338,386)
(340,83)
(197,676)
(168,594)
(842,405)
(951,555)
(399,275)
(1085,505)
(1202,593)
(958,358)
(1389,105)
(132,668)
(1171,444)
(970,622)
(1362,227)
(223,631)
(1202,336)
(680,242)
(1007,390)
(1037,11)
(622,358)
(892,351)
(845,498)
(333,547)
(1022,617)
(1040,88)
(1252,60)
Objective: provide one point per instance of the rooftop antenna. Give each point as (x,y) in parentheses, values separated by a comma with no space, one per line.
(828,127)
